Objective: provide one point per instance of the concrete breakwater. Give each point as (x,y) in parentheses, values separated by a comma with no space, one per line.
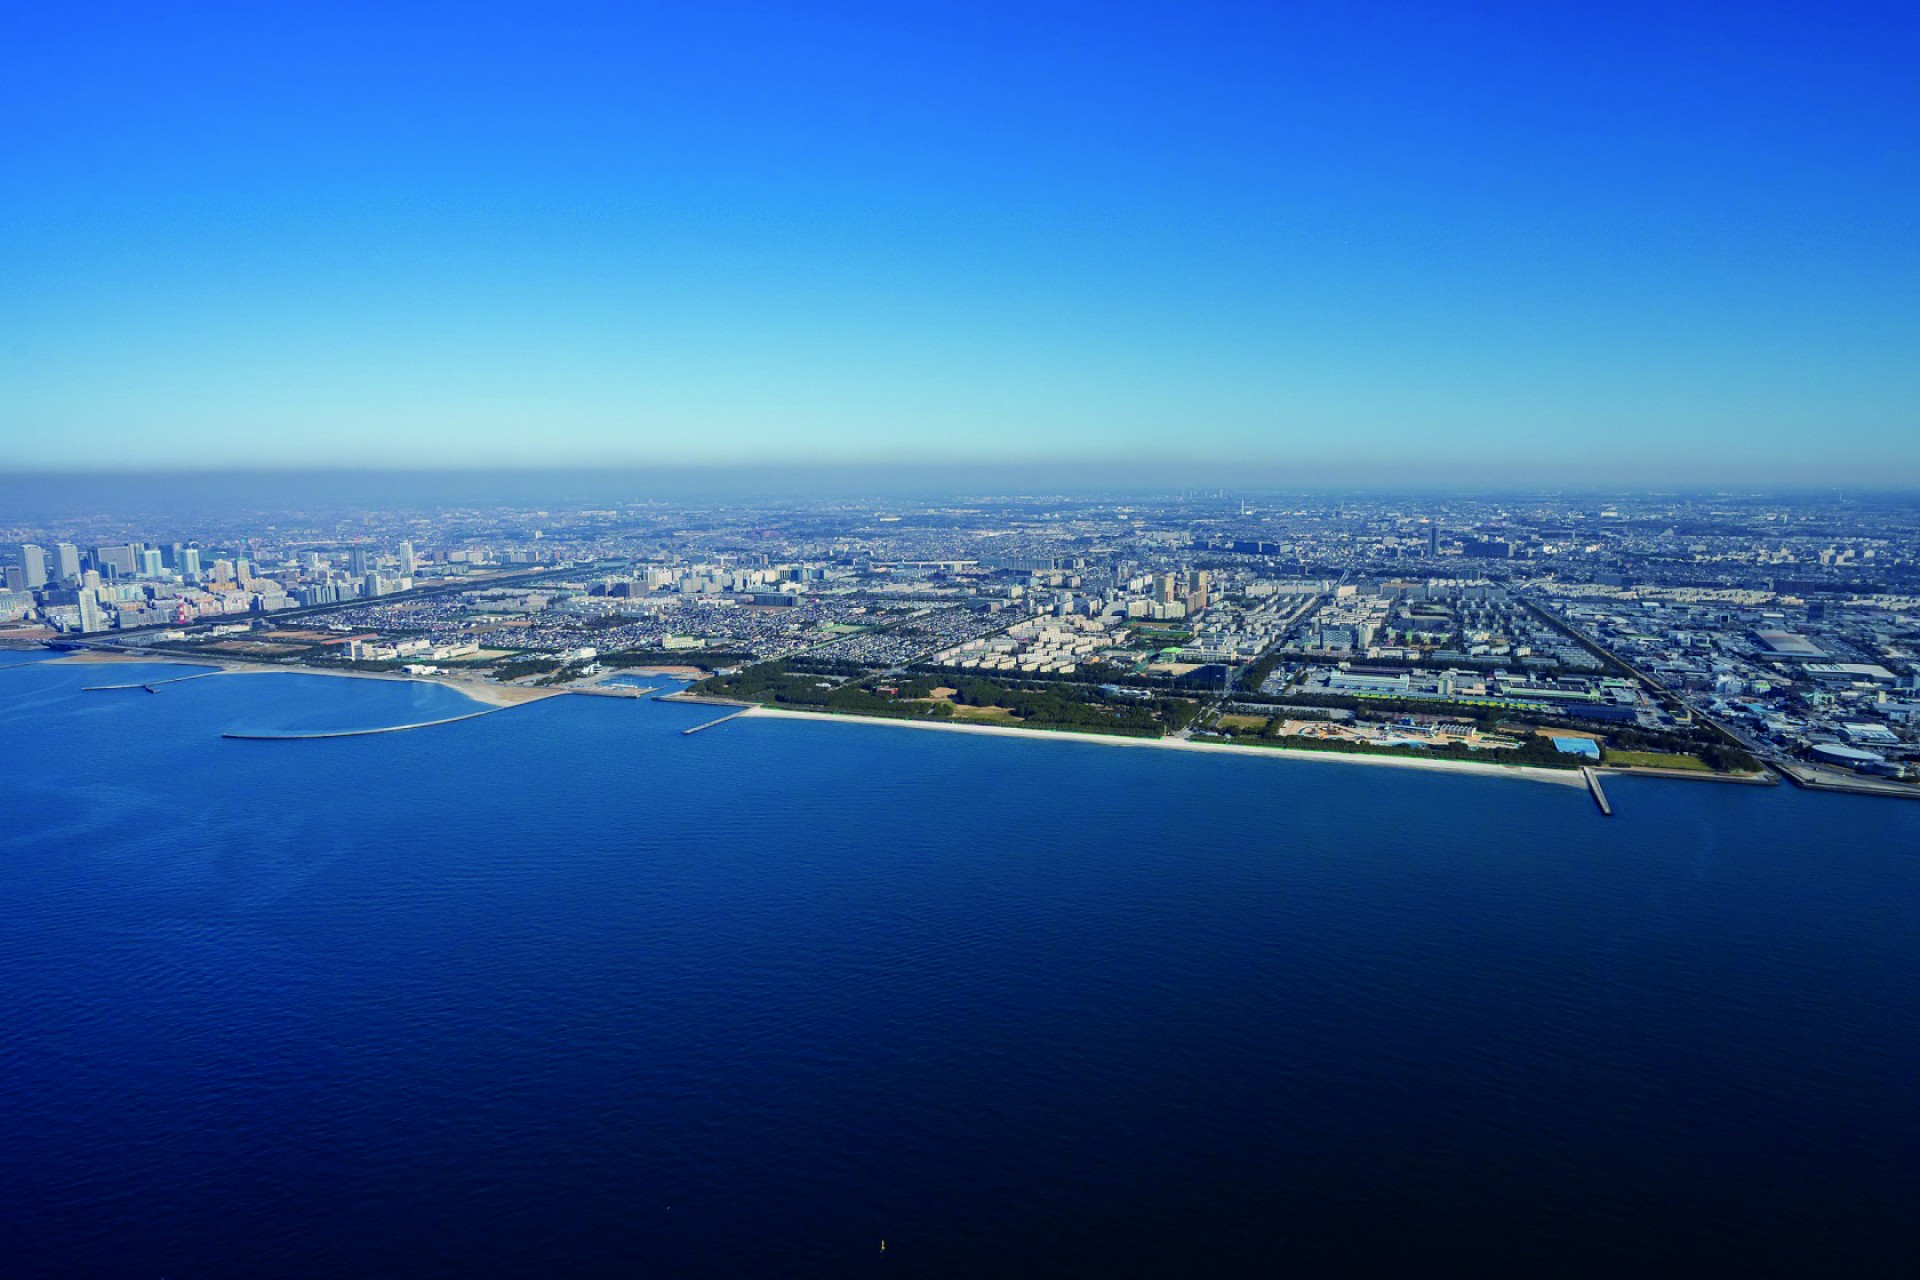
(269,736)
(150,685)
(1599,795)
(722,720)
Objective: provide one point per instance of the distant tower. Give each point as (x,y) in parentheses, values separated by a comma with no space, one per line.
(33,566)
(406,559)
(1433,539)
(117,561)
(357,562)
(91,619)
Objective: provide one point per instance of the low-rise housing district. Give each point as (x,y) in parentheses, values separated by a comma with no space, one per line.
(1722,637)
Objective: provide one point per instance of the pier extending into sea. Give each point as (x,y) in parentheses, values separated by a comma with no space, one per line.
(1599,795)
(150,685)
(722,720)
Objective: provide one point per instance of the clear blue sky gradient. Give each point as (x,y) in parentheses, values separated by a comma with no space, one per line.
(1500,239)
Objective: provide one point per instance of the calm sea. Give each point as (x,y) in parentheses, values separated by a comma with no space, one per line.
(561,991)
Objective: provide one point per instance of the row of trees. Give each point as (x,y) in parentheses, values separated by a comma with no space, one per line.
(1532,750)
(769,682)
(515,668)
(1050,706)
(825,666)
(673,658)
(1536,749)
(1067,707)
(1382,705)
(1256,672)
(1702,741)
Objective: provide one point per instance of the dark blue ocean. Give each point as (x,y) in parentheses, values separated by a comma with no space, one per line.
(562,991)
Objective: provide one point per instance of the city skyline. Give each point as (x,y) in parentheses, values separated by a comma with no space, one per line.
(1718,633)
(1630,247)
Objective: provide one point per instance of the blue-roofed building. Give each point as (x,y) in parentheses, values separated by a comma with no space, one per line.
(1578,747)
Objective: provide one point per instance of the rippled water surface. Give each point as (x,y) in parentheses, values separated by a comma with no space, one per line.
(562,991)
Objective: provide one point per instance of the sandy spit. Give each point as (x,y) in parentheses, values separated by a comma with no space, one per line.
(485,692)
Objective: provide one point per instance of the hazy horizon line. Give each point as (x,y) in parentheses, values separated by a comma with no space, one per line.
(1130,472)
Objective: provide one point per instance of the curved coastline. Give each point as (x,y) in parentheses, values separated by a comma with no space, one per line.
(489,697)
(481,691)
(1565,778)
(497,697)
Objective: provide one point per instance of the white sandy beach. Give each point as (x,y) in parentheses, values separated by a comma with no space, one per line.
(493,695)
(1562,777)
(482,691)
(499,695)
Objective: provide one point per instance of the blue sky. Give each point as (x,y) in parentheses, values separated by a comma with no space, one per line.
(1335,239)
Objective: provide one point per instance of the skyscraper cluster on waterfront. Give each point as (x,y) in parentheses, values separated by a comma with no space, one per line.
(107,586)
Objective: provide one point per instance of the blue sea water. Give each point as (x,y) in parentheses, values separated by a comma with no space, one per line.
(563,991)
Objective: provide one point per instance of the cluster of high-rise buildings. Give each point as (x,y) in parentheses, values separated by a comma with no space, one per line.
(107,586)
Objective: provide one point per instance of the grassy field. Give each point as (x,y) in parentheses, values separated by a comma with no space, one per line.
(252,648)
(1656,760)
(999,714)
(1235,721)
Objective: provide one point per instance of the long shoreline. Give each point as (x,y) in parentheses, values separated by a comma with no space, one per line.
(485,692)
(1528,773)
(495,695)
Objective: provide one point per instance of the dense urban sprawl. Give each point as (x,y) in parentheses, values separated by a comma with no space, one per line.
(1716,635)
